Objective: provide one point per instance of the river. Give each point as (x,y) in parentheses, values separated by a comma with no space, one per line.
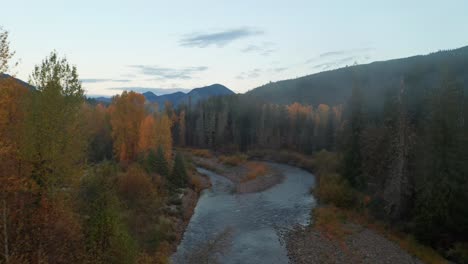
(251,223)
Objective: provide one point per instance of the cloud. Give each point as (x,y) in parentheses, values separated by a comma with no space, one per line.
(249,74)
(157,91)
(340,53)
(280,69)
(345,52)
(220,38)
(338,63)
(339,58)
(103,80)
(264,49)
(169,73)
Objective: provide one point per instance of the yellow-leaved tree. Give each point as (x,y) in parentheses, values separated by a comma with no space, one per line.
(127,112)
(164,135)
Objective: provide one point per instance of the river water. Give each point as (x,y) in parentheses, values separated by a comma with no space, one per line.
(252,223)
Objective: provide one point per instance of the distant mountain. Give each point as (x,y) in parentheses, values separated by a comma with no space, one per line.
(103,99)
(178,98)
(375,80)
(25,84)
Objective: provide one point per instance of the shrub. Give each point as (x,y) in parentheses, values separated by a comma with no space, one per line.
(196,183)
(332,188)
(135,186)
(204,153)
(325,162)
(284,156)
(255,169)
(233,160)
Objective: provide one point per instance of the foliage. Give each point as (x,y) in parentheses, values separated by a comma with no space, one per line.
(54,142)
(5,53)
(233,160)
(135,187)
(107,238)
(332,188)
(335,190)
(255,169)
(161,165)
(127,112)
(179,178)
(203,153)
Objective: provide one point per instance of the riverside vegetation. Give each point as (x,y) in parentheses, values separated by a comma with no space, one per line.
(101,183)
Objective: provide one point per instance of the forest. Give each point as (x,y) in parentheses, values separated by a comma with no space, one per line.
(407,158)
(86,182)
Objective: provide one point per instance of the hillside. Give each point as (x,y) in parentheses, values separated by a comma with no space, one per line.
(23,83)
(374,79)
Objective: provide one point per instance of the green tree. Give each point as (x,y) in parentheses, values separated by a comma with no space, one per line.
(179,178)
(5,53)
(442,196)
(107,237)
(352,152)
(161,166)
(54,142)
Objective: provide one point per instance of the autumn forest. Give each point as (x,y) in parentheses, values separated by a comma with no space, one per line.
(88,181)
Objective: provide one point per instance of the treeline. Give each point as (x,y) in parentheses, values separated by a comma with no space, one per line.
(238,123)
(83,183)
(410,157)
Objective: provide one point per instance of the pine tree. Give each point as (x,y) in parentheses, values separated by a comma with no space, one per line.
(441,203)
(161,165)
(179,178)
(352,157)
(151,161)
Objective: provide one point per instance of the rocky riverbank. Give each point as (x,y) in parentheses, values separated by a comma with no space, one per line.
(360,245)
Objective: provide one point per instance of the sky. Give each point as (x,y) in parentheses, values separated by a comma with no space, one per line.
(164,46)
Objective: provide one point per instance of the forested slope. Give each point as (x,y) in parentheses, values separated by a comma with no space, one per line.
(374,79)
(398,128)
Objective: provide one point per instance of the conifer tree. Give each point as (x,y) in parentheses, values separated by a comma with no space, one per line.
(161,164)
(352,156)
(179,178)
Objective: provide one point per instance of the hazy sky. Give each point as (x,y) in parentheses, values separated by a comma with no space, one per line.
(241,44)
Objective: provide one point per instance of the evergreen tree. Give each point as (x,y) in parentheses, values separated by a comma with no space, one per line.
(179,178)
(442,197)
(161,165)
(151,161)
(352,153)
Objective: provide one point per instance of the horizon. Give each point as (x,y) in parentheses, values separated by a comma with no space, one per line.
(157,45)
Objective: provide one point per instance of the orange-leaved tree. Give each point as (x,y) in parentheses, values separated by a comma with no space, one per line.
(127,112)
(164,135)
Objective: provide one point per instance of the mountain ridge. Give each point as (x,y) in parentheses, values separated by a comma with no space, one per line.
(375,79)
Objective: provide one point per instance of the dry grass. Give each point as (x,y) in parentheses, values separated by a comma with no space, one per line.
(233,160)
(203,153)
(284,156)
(255,169)
(196,183)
